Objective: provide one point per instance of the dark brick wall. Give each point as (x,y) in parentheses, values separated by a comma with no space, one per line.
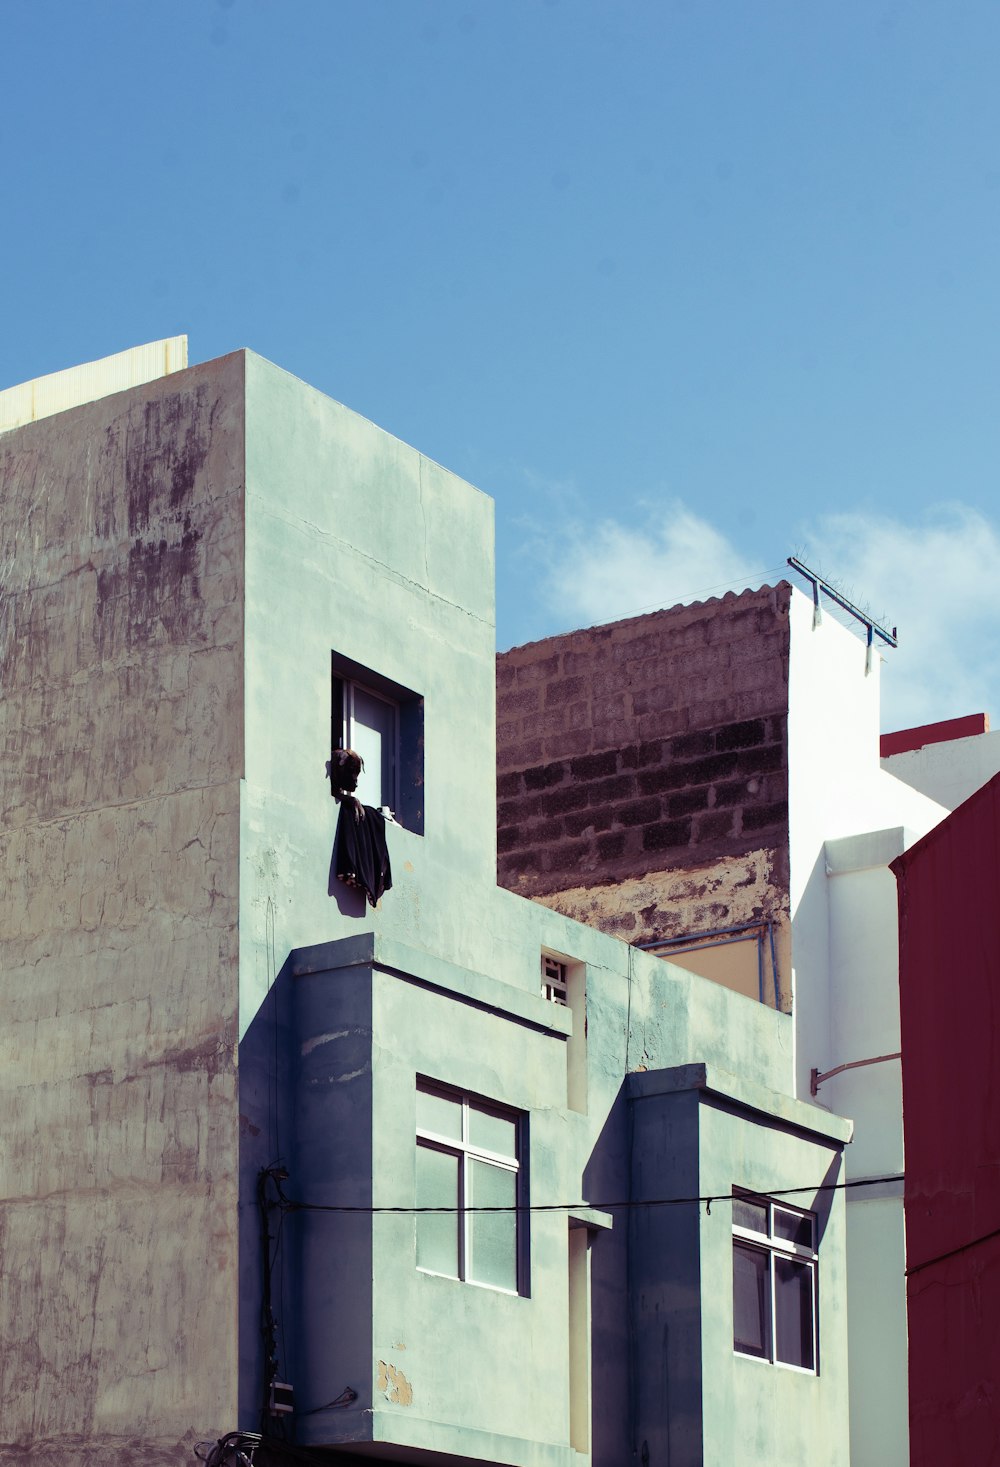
(649,744)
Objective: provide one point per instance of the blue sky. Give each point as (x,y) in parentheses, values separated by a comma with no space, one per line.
(687,287)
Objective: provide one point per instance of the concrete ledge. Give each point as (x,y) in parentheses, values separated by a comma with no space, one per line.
(412,965)
(400,1436)
(733,1091)
(872,848)
(591,1218)
(466,1444)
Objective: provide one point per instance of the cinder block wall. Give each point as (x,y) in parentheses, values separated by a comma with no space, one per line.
(650,751)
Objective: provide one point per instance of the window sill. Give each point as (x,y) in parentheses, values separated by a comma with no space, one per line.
(451,1278)
(775,1364)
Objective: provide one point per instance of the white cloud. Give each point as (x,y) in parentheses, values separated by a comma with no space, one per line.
(610,570)
(936,580)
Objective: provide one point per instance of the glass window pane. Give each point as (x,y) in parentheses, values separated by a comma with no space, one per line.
(793,1227)
(793,1308)
(490,1132)
(493,1235)
(751,1301)
(752,1215)
(437,1232)
(372,734)
(441,1114)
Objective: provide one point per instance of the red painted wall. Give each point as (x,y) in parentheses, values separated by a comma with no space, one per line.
(906,739)
(949,909)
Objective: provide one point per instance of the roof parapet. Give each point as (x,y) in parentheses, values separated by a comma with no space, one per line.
(58,391)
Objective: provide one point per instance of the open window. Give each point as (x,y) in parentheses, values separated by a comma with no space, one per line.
(384,723)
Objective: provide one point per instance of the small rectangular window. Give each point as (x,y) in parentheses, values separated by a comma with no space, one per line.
(554,982)
(384,723)
(564,981)
(775,1281)
(470,1172)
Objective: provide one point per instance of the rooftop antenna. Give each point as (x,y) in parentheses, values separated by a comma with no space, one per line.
(872,627)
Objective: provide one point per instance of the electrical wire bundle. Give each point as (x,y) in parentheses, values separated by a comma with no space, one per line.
(235,1449)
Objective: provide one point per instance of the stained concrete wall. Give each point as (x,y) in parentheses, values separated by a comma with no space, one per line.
(642,774)
(121,723)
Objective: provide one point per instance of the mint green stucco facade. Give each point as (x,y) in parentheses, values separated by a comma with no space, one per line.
(357,544)
(191,999)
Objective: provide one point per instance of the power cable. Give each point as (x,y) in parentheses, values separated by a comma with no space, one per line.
(953,1252)
(293,1205)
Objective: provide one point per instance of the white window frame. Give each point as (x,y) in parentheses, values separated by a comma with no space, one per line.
(775,1247)
(351,687)
(466,1152)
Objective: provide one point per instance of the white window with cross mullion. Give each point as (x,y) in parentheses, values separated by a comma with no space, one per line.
(468,1184)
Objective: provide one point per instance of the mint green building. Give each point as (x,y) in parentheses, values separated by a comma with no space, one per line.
(451,1179)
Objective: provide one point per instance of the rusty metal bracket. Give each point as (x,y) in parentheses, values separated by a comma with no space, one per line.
(816,1077)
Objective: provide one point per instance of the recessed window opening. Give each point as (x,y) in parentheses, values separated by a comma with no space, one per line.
(469,1157)
(564,982)
(384,723)
(554,981)
(775,1280)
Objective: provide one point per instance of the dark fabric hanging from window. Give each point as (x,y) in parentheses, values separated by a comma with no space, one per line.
(361,856)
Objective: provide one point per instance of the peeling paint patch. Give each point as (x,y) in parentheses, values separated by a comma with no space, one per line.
(353,1074)
(393,1384)
(319,1039)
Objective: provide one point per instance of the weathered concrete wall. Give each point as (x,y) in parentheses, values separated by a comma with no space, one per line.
(642,773)
(121,727)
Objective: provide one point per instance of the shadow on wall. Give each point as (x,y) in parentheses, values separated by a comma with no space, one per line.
(649,1292)
(810,927)
(266,1092)
(605,1180)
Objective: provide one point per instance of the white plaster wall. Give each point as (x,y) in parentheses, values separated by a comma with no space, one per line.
(864,1014)
(949,773)
(864,1010)
(876,1328)
(836,788)
(847,818)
